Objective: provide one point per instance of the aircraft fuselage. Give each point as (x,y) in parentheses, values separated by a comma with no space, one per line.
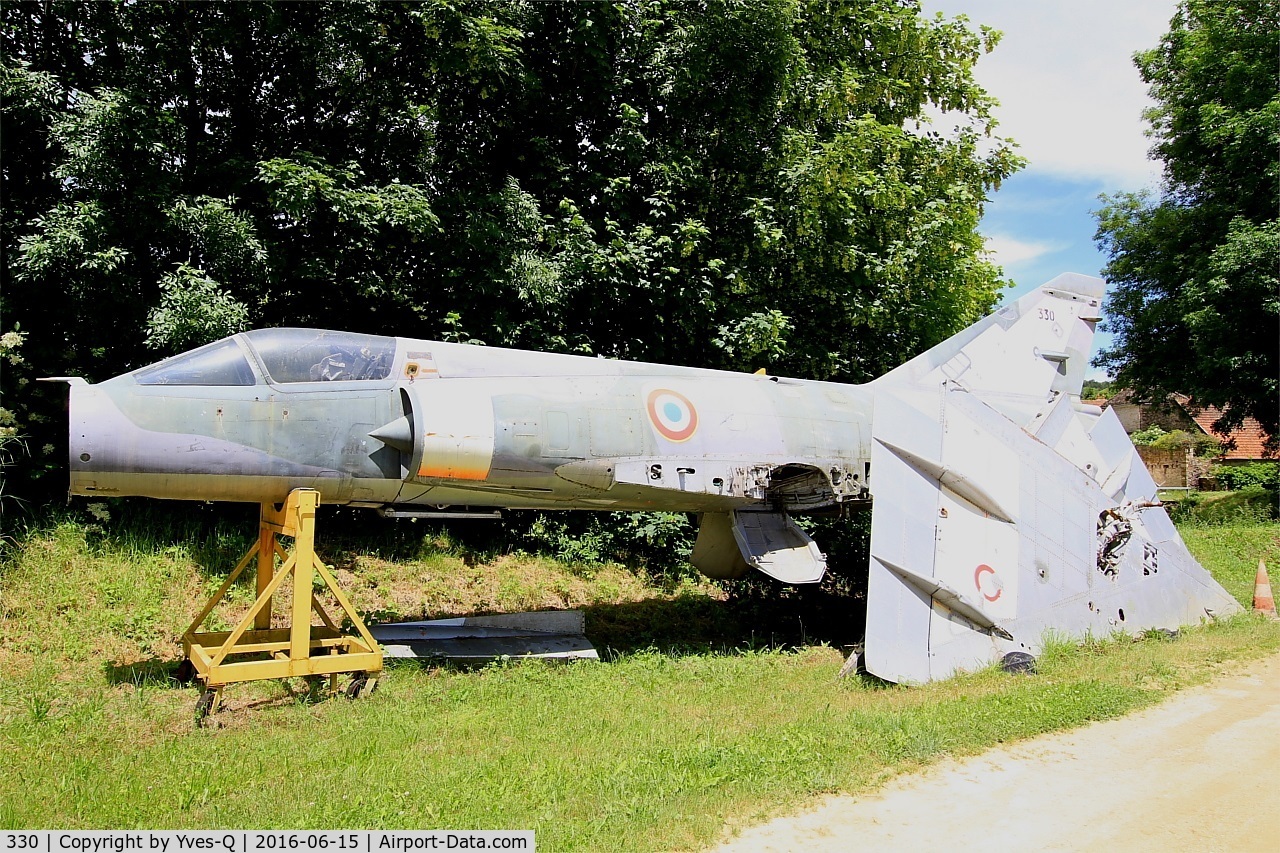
(426,422)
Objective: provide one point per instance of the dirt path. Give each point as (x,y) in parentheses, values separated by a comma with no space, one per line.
(1197,772)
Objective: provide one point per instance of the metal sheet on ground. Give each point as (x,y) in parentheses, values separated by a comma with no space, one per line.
(552,634)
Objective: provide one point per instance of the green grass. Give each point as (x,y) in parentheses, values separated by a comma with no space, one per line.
(1232,551)
(1243,506)
(656,749)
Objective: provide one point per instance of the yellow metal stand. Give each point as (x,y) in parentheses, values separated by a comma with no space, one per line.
(302,649)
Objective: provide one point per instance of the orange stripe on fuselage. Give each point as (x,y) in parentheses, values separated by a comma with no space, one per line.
(447,471)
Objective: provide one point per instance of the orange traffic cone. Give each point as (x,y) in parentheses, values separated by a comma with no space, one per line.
(1263,600)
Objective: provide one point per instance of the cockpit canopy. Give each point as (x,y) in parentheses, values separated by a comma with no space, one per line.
(287,355)
(221,363)
(310,355)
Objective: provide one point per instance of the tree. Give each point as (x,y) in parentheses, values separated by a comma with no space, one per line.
(718,184)
(1195,305)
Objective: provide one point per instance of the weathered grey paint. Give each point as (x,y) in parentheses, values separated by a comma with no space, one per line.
(484,431)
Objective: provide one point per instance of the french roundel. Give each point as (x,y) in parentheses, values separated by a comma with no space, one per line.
(672,415)
(990,589)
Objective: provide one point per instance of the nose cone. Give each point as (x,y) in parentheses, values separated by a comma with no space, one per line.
(97,439)
(83,441)
(112,453)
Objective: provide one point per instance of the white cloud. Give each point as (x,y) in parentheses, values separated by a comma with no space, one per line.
(1064,75)
(1008,251)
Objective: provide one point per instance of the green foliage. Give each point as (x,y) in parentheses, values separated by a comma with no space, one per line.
(10,351)
(756,336)
(1200,444)
(658,541)
(11,439)
(193,310)
(219,237)
(1156,436)
(1195,304)
(1249,504)
(1095,389)
(722,184)
(16,423)
(1149,436)
(1249,474)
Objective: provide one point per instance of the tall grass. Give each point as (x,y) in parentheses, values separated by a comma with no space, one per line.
(1229,532)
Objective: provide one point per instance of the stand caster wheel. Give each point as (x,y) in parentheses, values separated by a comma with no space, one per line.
(361,685)
(205,705)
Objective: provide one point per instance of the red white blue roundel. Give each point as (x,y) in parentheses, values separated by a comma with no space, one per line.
(672,415)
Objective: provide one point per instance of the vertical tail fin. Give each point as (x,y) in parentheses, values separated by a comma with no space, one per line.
(1015,358)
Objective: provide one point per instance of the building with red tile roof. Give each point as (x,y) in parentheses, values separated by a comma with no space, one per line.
(1180,468)
(1248,443)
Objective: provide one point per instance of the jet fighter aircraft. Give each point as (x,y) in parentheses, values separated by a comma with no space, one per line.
(1004,507)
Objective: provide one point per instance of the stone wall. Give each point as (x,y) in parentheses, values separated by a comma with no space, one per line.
(1167,467)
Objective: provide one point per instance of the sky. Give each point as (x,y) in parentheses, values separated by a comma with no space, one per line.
(1071,97)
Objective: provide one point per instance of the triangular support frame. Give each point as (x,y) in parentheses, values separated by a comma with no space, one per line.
(301,649)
